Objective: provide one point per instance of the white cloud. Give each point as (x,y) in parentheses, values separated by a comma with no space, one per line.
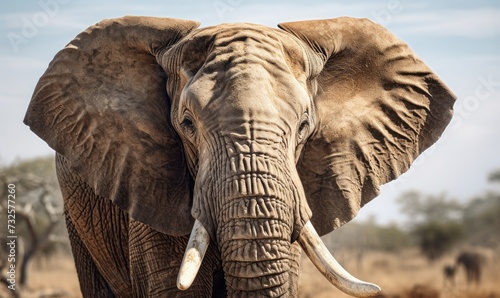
(470,23)
(22,63)
(17,140)
(15,22)
(271,13)
(20,78)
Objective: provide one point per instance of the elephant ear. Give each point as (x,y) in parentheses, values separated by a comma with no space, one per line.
(378,108)
(102,105)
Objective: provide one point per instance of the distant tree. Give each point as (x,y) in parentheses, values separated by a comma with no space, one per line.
(437,238)
(435,222)
(431,208)
(494,176)
(368,235)
(392,238)
(481,216)
(482,221)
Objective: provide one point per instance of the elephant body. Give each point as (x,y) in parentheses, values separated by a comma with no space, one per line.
(116,255)
(449,275)
(199,162)
(472,263)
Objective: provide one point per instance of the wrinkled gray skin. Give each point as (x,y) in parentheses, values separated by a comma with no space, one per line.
(249,129)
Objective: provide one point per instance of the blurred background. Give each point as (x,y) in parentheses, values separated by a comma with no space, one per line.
(412,240)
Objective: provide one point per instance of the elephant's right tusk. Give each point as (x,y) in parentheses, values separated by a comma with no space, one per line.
(319,255)
(195,251)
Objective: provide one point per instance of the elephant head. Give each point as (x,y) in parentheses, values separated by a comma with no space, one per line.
(255,136)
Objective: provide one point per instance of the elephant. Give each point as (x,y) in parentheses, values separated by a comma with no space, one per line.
(449,272)
(472,263)
(201,162)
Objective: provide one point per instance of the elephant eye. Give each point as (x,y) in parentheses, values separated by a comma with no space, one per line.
(188,126)
(303,130)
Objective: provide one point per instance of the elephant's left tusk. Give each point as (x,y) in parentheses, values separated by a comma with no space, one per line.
(319,255)
(195,251)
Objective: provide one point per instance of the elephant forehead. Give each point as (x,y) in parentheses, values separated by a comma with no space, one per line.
(250,70)
(233,46)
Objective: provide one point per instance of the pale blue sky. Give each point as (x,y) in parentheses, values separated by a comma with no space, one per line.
(459,40)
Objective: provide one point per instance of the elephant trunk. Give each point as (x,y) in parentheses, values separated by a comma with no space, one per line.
(246,278)
(251,208)
(254,242)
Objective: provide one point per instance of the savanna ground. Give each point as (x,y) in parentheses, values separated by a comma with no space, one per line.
(405,275)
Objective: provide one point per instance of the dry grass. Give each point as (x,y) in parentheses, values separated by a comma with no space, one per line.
(55,277)
(407,275)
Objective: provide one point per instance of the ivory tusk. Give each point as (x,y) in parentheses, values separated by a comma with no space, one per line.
(193,257)
(319,255)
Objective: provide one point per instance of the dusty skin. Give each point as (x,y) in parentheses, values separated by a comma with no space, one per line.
(264,136)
